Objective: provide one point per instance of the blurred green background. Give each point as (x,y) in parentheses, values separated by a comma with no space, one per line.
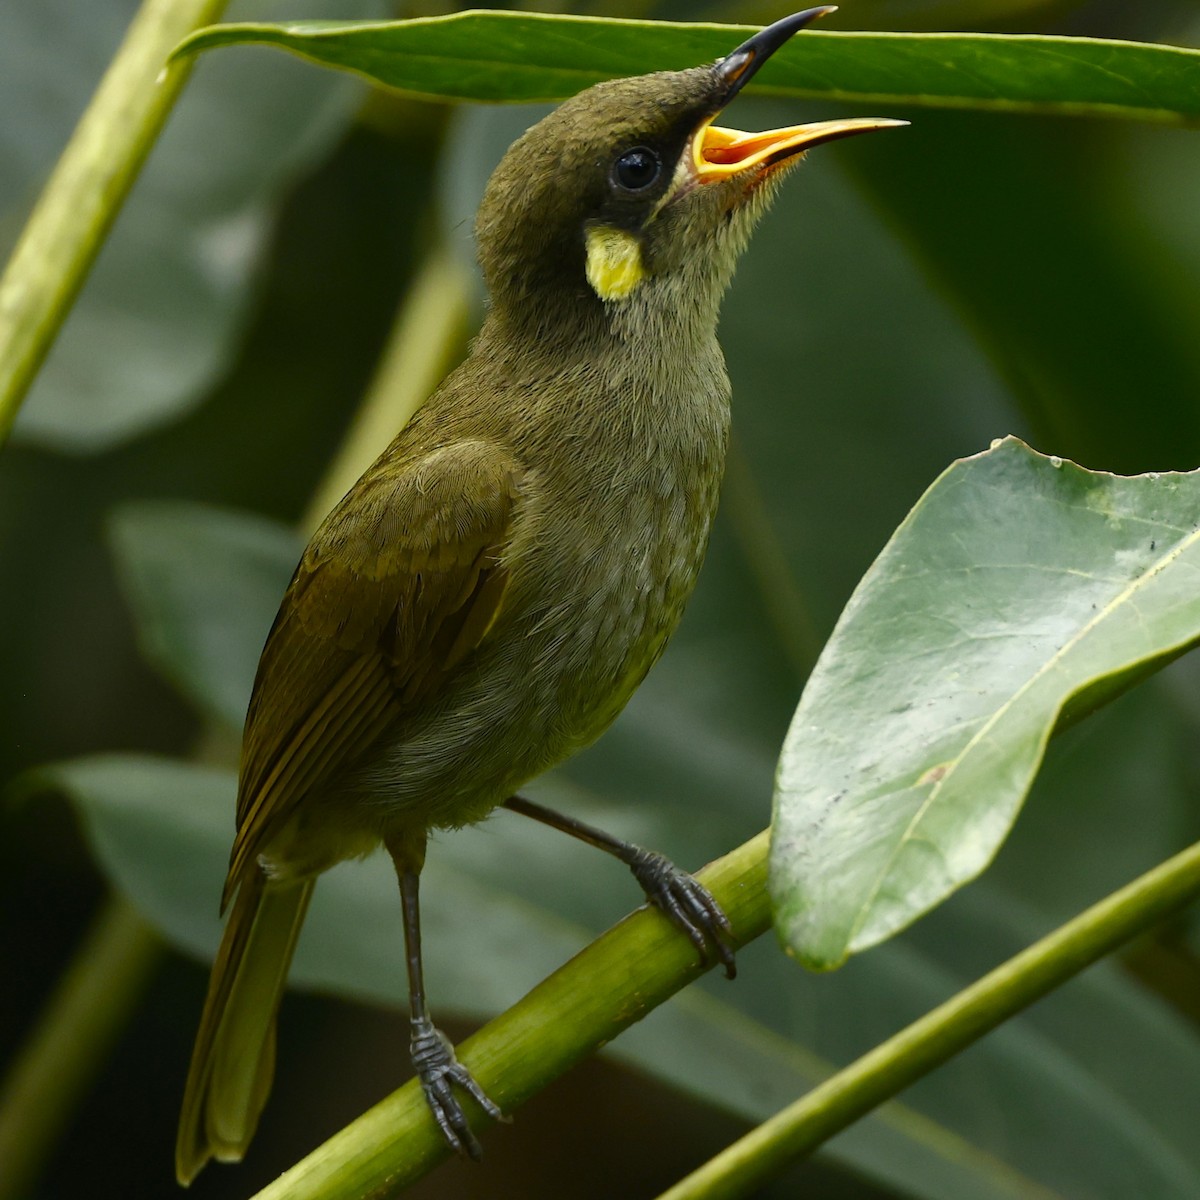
(911,297)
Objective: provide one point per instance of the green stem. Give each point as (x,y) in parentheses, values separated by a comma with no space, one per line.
(429,331)
(105,981)
(47,268)
(74,1034)
(86,190)
(604,989)
(787,607)
(45,272)
(950,1028)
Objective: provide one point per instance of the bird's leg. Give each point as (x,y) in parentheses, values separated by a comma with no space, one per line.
(431,1052)
(685,900)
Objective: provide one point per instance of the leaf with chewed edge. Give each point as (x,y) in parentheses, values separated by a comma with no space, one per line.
(1019,590)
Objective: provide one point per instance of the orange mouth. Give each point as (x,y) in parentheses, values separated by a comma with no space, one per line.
(718,153)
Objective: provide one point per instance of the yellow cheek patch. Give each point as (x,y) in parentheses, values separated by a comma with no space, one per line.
(614,262)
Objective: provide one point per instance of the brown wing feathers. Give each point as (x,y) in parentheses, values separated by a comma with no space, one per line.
(378,613)
(376,616)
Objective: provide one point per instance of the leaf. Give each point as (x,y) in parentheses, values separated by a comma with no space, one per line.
(688,767)
(161,830)
(527,57)
(159,317)
(1017,585)
(1112,800)
(710,1048)
(204,585)
(664,785)
(1086,1113)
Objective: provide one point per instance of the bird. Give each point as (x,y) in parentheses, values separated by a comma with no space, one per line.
(486,598)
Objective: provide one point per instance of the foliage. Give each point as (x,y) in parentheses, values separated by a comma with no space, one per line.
(981,274)
(523,57)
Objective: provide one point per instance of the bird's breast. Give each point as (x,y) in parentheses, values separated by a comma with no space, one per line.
(620,489)
(623,543)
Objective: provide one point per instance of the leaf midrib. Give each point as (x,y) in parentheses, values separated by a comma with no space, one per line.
(909,834)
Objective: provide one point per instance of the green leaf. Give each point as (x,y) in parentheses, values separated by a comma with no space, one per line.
(710,1048)
(159,317)
(1017,587)
(665,786)
(688,767)
(204,585)
(1082,833)
(1087,1113)
(161,830)
(526,57)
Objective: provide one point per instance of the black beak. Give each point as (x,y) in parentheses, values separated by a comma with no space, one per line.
(737,68)
(720,154)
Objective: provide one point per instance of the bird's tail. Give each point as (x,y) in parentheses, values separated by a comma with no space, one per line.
(234,1059)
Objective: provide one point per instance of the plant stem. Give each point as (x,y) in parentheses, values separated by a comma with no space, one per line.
(948,1029)
(787,607)
(604,989)
(86,189)
(74,1033)
(108,974)
(428,333)
(45,272)
(47,268)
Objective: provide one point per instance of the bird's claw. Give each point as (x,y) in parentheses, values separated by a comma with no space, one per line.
(439,1070)
(688,903)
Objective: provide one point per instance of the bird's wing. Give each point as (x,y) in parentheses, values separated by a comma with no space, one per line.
(402,581)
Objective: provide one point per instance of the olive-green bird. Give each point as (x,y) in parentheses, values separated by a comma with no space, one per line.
(486,598)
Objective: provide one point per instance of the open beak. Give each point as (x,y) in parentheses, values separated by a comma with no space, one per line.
(719,153)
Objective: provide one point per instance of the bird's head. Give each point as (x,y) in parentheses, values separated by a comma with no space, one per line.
(627,198)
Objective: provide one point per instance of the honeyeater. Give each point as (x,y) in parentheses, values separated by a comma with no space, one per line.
(486,598)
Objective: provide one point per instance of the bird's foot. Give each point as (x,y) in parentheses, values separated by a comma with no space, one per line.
(687,902)
(438,1070)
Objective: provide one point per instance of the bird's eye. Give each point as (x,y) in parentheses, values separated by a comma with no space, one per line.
(637,168)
